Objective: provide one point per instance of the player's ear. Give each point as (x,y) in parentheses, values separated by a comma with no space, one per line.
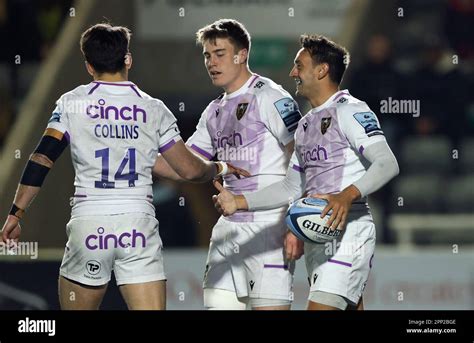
(243,55)
(323,70)
(128,61)
(90,69)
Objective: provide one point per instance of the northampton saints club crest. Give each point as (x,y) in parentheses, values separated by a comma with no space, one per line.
(241,108)
(325,123)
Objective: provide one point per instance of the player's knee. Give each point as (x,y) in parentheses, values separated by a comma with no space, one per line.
(329,299)
(220,299)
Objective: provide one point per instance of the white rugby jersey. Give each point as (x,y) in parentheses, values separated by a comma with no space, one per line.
(115,131)
(249,128)
(330,141)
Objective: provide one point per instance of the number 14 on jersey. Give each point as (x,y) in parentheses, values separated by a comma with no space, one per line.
(129,159)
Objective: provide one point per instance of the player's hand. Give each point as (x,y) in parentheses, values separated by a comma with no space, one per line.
(225,202)
(340,204)
(294,247)
(11,230)
(236,171)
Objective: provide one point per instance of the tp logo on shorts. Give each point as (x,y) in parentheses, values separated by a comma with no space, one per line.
(93,267)
(124,240)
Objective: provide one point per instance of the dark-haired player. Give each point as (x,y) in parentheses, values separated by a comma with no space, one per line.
(115,132)
(331,142)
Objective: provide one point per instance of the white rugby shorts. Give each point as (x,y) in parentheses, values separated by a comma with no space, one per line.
(129,244)
(248,258)
(342,266)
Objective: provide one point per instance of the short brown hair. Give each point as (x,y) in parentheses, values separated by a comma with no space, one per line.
(225,28)
(104,46)
(324,50)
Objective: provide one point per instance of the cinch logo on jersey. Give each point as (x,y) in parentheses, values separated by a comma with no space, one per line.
(112,112)
(234,139)
(124,240)
(324,230)
(316,154)
(229,148)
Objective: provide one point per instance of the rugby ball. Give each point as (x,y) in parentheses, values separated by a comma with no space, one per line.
(304,220)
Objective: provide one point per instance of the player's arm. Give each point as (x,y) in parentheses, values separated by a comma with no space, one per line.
(273,196)
(49,149)
(192,168)
(163,170)
(383,168)
(366,136)
(189,163)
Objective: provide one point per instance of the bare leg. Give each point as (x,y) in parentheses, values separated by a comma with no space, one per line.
(76,296)
(312,306)
(272,308)
(359,307)
(145,296)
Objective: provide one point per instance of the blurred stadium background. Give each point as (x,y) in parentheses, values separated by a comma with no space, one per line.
(419,51)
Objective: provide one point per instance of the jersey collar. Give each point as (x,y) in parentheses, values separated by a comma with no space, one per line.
(329,101)
(242,89)
(116,83)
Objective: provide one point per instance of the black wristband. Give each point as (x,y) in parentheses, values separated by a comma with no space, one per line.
(16,211)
